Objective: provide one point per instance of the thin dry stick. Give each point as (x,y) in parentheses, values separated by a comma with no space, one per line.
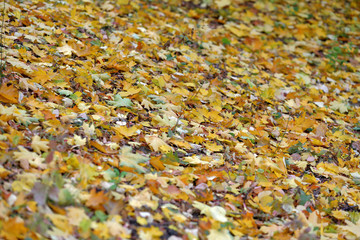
(287,122)
(2,61)
(258,91)
(191,97)
(283,135)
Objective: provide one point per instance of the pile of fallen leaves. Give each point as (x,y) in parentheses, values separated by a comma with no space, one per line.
(208,119)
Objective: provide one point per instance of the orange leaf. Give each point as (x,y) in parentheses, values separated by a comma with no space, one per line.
(204,196)
(96,200)
(102,148)
(205,225)
(156,163)
(57,209)
(125,169)
(181,144)
(153,185)
(13,229)
(8,94)
(175,193)
(48,115)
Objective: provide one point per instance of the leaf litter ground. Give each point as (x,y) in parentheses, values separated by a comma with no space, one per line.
(180,120)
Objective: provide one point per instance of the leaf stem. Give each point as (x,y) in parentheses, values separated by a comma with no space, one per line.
(182,110)
(2,61)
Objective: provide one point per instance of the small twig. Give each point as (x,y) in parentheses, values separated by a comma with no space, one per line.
(258,91)
(287,122)
(191,97)
(2,61)
(283,135)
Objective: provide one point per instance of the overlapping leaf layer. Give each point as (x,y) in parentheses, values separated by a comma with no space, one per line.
(211,119)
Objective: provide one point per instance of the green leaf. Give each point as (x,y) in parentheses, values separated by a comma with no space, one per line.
(85,225)
(129,159)
(156,99)
(65,197)
(96,43)
(354,216)
(169,57)
(109,174)
(250,83)
(304,198)
(225,41)
(101,215)
(330,229)
(58,179)
(64,92)
(16,140)
(277,115)
(172,157)
(296,148)
(120,102)
(100,76)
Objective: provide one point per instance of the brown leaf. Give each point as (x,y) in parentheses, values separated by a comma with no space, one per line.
(39,192)
(321,130)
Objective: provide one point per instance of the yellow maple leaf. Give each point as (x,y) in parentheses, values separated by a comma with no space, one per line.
(240,147)
(61,222)
(216,212)
(125,131)
(144,198)
(340,214)
(157,143)
(26,156)
(76,141)
(339,106)
(76,215)
(214,116)
(89,130)
(39,145)
(66,50)
(352,228)
(223,234)
(239,31)
(194,160)
(150,233)
(222,3)
(213,147)
(181,144)
(130,91)
(24,182)
(116,229)
(122,2)
(40,76)
(19,64)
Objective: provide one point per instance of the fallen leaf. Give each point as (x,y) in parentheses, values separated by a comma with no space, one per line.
(39,145)
(15,229)
(120,102)
(218,213)
(97,199)
(8,94)
(131,160)
(157,144)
